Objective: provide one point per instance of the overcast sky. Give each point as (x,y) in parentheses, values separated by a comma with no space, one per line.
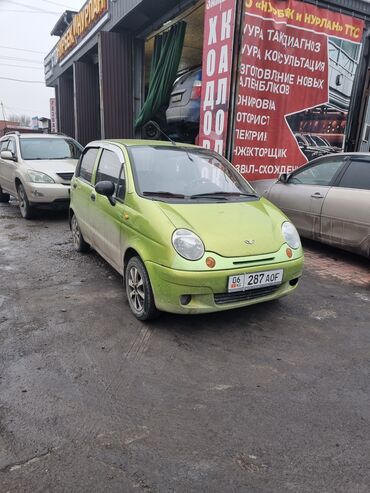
(26,25)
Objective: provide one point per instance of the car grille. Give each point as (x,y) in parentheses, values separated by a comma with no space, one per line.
(251,294)
(266,259)
(65,176)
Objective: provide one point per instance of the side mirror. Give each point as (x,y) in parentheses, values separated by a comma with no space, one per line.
(7,155)
(283,178)
(107,189)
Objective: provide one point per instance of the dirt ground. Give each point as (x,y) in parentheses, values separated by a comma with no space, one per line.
(270,398)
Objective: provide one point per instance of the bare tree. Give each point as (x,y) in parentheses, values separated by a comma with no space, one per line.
(24,120)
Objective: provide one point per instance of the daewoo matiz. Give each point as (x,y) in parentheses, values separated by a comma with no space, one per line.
(186,231)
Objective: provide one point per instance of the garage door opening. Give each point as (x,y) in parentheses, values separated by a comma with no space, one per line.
(179,116)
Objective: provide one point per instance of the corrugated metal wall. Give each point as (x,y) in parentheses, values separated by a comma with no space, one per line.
(65,103)
(116,84)
(364,145)
(120,9)
(87,111)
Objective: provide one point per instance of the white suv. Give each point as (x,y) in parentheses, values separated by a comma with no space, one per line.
(37,169)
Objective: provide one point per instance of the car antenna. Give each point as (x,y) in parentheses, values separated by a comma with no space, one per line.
(155,124)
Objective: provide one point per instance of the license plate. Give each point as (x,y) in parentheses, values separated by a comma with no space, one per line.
(243,282)
(176,97)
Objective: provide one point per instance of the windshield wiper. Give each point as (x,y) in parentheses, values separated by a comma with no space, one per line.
(165,194)
(222,195)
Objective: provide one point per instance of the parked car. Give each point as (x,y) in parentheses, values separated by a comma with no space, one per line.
(329,200)
(184,105)
(37,169)
(322,142)
(186,231)
(309,148)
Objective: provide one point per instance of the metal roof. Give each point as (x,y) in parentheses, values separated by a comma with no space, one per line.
(63,22)
(357,8)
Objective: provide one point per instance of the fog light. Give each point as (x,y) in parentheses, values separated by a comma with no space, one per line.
(36,193)
(185,299)
(289,252)
(210,262)
(294,282)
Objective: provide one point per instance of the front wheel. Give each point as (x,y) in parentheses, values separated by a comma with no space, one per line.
(139,290)
(26,209)
(78,240)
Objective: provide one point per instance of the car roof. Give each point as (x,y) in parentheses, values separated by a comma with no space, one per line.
(140,142)
(43,136)
(364,154)
(34,135)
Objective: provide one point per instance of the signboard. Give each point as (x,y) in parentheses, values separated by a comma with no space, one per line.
(296,70)
(53,115)
(90,13)
(219,26)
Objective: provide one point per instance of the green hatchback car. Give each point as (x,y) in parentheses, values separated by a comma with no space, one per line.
(187,232)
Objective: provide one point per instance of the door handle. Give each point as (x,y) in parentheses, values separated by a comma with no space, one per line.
(317,195)
(93,197)
(74,185)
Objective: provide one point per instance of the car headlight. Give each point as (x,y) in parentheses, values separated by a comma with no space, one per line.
(38,177)
(187,244)
(291,235)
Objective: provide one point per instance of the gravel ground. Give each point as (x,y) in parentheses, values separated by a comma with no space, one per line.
(271,398)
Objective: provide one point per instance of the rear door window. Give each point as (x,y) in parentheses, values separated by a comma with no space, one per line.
(3,145)
(86,166)
(357,175)
(110,169)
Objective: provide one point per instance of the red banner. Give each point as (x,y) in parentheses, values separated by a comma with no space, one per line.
(285,70)
(219,26)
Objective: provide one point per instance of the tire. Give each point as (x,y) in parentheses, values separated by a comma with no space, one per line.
(139,290)
(151,131)
(79,243)
(26,209)
(4,197)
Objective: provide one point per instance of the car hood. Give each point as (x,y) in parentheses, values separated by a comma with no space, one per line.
(52,165)
(231,229)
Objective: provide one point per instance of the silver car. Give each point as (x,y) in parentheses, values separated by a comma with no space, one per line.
(37,169)
(329,200)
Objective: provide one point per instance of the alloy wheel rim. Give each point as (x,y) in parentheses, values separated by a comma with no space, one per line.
(21,197)
(75,232)
(136,292)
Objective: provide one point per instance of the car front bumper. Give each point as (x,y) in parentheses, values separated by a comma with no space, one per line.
(208,289)
(47,193)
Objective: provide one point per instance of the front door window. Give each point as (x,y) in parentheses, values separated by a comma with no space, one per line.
(318,174)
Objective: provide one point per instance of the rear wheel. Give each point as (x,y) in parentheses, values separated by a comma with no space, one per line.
(4,197)
(26,209)
(139,290)
(78,240)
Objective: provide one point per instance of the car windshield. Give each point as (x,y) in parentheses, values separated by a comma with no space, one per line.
(181,173)
(310,139)
(319,141)
(49,148)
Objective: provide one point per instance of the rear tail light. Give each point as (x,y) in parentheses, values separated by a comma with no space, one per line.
(197,90)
